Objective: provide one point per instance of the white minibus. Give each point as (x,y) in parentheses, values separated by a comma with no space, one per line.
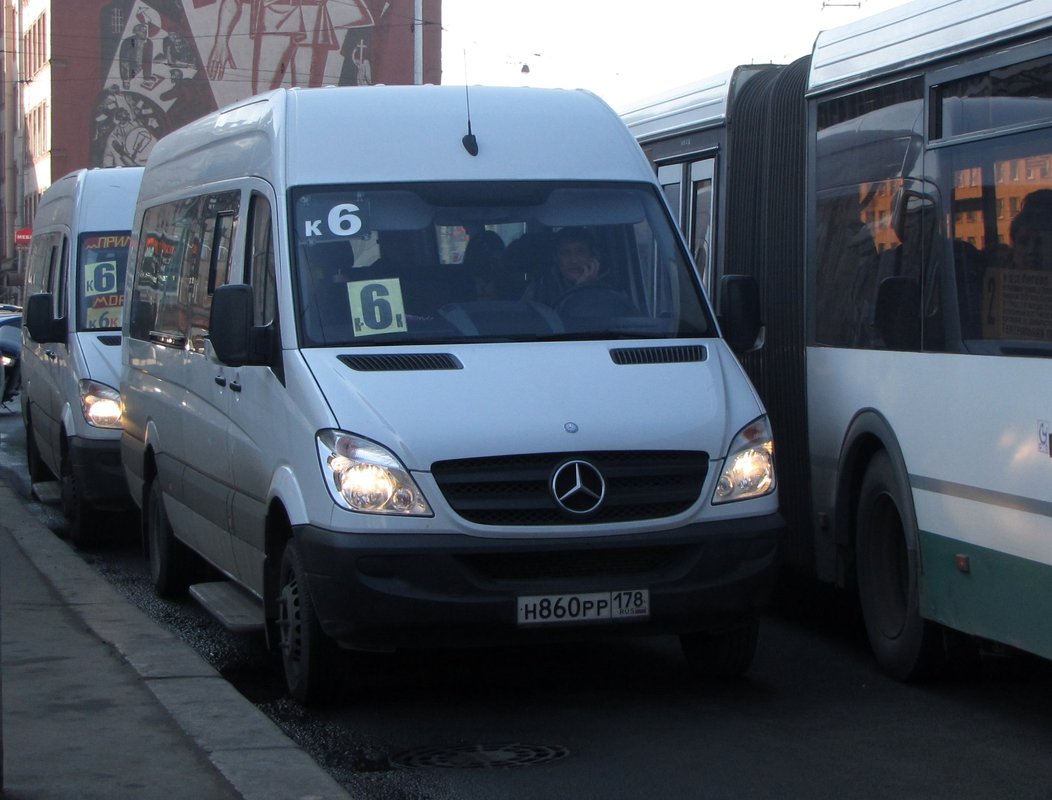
(430,366)
(71,347)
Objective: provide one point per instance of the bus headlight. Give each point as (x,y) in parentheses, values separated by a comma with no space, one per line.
(748,470)
(101,404)
(363,476)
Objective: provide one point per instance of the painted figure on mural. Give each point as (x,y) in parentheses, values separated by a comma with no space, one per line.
(128,143)
(137,56)
(291,39)
(363,67)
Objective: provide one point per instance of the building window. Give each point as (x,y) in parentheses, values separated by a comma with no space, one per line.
(38,139)
(34,46)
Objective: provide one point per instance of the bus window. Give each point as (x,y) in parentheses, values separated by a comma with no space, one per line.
(671,179)
(701,173)
(1002,242)
(866,146)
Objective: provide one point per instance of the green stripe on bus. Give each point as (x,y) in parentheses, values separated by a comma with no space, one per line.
(1001,597)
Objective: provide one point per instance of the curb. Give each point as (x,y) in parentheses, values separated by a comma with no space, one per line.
(245,746)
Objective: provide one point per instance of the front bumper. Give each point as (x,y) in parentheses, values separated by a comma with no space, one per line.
(395,591)
(99,473)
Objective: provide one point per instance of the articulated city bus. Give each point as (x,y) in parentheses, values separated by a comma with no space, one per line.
(892,192)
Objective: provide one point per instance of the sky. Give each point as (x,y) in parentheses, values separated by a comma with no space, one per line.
(626,50)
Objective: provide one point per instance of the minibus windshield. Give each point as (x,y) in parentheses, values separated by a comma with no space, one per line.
(102,259)
(490,261)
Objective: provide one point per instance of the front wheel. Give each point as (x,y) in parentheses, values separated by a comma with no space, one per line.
(726,654)
(906,646)
(38,470)
(306,652)
(82,519)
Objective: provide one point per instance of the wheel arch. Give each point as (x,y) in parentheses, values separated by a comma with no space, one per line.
(868,434)
(149,472)
(277,533)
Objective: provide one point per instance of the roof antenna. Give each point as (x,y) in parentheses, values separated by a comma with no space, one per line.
(469,141)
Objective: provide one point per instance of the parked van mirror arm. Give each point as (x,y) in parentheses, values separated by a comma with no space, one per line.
(235,341)
(740,313)
(41,322)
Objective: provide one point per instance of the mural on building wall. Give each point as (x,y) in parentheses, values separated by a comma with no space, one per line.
(168,62)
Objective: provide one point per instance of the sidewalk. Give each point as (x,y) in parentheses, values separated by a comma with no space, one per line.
(101,702)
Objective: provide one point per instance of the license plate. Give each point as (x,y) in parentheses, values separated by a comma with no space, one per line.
(555,609)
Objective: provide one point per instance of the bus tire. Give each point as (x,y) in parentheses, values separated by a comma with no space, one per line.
(907,647)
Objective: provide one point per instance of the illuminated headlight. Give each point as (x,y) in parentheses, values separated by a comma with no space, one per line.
(748,470)
(8,361)
(101,404)
(363,476)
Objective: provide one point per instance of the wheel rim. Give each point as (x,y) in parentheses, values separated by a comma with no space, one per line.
(290,628)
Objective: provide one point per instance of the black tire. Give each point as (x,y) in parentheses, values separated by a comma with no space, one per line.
(723,655)
(82,520)
(171,561)
(306,652)
(38,470)
(906,646)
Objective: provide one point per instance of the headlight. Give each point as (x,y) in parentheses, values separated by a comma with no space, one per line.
(748,470)
(7,361)
(101,404)
(363,476)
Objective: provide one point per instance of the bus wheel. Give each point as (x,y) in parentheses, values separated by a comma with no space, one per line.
(170,560)
(306,653)
(727,654)
(906,646)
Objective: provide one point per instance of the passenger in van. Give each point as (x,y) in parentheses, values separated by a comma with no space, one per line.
(1031,232)
(397,251)
(574,264)
(523,257)
(329,265)
(484,261)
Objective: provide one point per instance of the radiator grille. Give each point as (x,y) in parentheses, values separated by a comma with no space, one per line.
(515,490)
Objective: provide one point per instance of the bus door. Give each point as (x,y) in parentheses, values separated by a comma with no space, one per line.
(688,188)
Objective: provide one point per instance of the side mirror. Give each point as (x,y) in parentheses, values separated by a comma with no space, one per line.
(41,322)
(741,316)
(235,341)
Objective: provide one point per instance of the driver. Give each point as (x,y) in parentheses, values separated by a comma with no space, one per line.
(575,265)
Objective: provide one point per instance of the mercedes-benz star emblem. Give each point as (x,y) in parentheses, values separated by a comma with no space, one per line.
(578,487)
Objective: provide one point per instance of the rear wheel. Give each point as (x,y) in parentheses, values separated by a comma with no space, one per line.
(906,646)
(726,654)
(306,653)
(171,562)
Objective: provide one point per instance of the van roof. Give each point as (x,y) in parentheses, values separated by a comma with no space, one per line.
(382,134)
(111,193)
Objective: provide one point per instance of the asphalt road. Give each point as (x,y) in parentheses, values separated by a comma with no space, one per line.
(813,719)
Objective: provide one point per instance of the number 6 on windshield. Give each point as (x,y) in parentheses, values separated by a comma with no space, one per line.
(377,307)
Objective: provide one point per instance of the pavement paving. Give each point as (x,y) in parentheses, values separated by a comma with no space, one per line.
(99,701)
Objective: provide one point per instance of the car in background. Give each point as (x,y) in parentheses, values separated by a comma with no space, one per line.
(10,351)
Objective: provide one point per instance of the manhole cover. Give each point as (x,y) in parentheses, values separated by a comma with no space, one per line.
(480,756)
